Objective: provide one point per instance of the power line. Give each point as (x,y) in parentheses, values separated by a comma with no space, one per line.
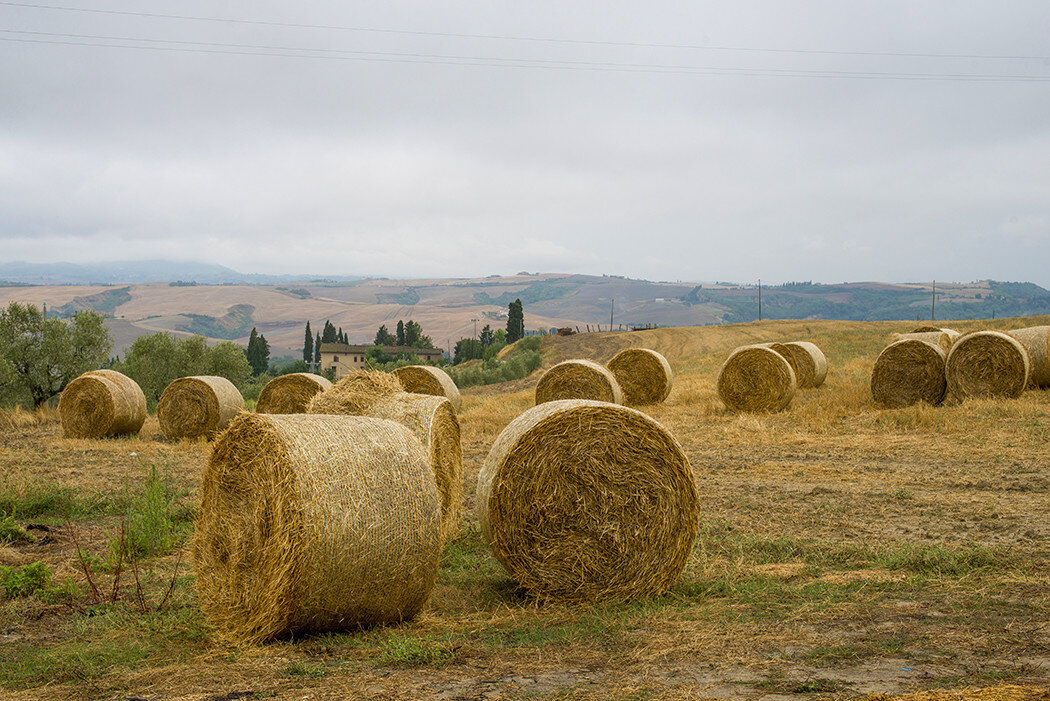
(509,37)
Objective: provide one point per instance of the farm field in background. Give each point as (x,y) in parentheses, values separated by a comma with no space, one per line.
(843,550)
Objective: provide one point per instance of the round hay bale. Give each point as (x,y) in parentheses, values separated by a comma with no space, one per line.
(578,379)
(987,364)
(644,376)
(1036,340)
(314,523)
(939,338)
(354,393)
(756,379)
(907,372)
(785,352)
(291,393)
(427,379)
(810,364)
(190,407)
(583,500)
(101,403)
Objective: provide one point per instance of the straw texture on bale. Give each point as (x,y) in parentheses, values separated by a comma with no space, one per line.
(578,379)
(952,333)
(427,379)
(101,403)
(291,393)
(644,376)
(1036,340)
(907,372)
(355,393)
(939,338)
(811,366)
(190,407)
(756,379)
(314,523)
(986,364)
(786,353)
(582,500)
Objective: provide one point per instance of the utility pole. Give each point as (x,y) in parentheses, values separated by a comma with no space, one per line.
(760,299)
(611,313)
(933,301)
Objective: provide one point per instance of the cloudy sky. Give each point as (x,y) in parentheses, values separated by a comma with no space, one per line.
(827,141)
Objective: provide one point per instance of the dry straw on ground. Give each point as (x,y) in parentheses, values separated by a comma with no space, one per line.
(756,379)
(191,407)
(314,523)
(291,393)
(578,379)
(1036,341)
(644,376)
(939,338)
(810,364)
(907,372)
(986,364)
(427,379)
(101,403)
(582,500)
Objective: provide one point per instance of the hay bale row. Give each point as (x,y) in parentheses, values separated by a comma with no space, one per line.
(427,379)
(101,403)
(644,376)
(578,379)
(584,500)
(939,338)
(315,523)
(1036,341)
(909,371)
(986,364)
(756,379)
(192,407)
(291,393)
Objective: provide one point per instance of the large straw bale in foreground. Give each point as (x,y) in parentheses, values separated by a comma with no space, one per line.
(941,339)
(810,364)
(314,523)
(907,372)
(584,500)
(756,379)
(198,406)
(355,393)
(1036,340)
(644,376)
(291,393)
(427,379)
(101,403)
(986,364)
(578,379)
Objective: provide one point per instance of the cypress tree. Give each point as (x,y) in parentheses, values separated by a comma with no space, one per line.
(317,349)
(308,345)
(515,321)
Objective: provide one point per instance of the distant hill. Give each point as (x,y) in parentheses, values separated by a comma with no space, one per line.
(121,273)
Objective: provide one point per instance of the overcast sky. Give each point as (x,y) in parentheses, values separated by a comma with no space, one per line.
(827,141)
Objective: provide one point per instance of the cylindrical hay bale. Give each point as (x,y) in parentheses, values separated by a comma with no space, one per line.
(198,406)
(101,403)
(810,364)
(1036,340)
(314,523)
(578,379)
(291,393)
(756,379)
(907,372)
(583,500)
(786,353)
(941,339)
(427,379)
(355,393)
(987,364)
(644,376)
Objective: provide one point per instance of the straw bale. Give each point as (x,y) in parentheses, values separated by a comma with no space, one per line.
(101,403)
(290,394)
(756,379)
(1036,340)
(582,500)
(190,407)
(644,376)
(786,353)
(578,379)
(987,364)
(810,364)
(355,393)
(939,338)
(427,379)
(314,523)
(907,372)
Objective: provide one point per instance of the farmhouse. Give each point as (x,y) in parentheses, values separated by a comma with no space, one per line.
(343,358)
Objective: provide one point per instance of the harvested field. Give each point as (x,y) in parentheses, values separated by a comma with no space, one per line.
(842,551)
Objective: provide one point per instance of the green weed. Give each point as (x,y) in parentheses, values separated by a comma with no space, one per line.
(405,651)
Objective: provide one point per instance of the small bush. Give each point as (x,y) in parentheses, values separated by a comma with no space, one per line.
(524,359)
(24,581)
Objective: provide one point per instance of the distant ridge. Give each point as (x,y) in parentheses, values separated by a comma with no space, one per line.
(138,272)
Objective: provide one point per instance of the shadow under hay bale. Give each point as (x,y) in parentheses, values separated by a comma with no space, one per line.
(578,379)
(427,379)
(756,379)
(939,338)
(101,403)
(907,372)
(644,376)
(355,393)
(1036,341)
(191,407)
(291,393)
(314,523)
(810,364)
(582,500)
(986,364)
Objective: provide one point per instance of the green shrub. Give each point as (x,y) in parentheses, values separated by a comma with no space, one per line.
(24,581)
(11,532)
